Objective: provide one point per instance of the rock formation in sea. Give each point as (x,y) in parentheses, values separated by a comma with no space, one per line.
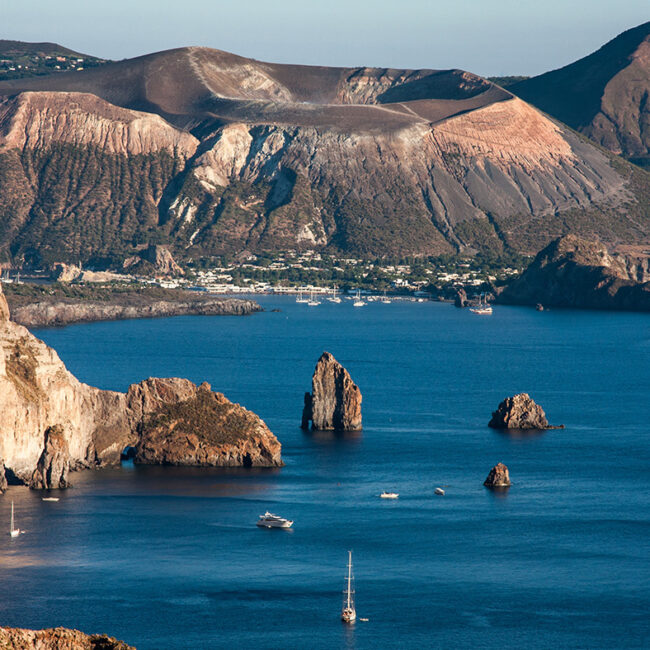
(203,428)
(498,477)
(54,464)
(58,638)
(43,408)
(461,298)
(520,412)
(579,273)
(335,400)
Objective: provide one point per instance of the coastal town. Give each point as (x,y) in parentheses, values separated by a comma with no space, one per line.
(293,272)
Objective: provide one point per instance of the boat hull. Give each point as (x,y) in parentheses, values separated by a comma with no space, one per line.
(275,524)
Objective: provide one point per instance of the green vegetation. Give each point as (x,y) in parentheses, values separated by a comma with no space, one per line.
(214,420)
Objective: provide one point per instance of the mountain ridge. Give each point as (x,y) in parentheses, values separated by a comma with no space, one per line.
(213,153)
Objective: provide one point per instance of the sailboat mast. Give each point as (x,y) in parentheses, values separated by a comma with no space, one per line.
(12,516)
(349,574)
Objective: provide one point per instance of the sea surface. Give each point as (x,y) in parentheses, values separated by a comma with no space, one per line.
(170,558)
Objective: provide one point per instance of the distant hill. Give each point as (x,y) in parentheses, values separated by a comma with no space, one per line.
(605,95)
(213,153)
(19,59)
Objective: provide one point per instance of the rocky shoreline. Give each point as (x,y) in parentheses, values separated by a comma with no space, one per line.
(123,306)
(57,638)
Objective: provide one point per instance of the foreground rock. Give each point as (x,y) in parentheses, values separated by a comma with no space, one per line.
(58,638)
(335,400)
(583,274)
(520,412)
(461,298)
(498,477)
(55,314)
(54,463)
(205,429)
(49,421)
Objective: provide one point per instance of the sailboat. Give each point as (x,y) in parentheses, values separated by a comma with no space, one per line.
(386,300)
(349,613)
(358,302)
(483,308)
(334,297)
(312,302)
(13,531)
(300,298)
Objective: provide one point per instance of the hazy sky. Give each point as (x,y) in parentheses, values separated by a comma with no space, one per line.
(488,37)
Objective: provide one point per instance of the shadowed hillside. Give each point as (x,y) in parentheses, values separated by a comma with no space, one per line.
(604,95)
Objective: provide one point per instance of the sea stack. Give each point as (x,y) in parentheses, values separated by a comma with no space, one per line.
(334,403)
(51,473)
(498,477)
(520,412)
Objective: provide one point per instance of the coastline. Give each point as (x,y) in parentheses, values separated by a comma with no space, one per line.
(58,311)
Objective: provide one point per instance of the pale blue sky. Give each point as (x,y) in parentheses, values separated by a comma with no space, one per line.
(488,37)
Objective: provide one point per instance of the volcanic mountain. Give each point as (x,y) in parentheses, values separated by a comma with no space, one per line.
(214,153)
(604,95)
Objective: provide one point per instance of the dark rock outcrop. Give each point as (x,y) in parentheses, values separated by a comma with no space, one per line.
(195,426)
(498,477)
(335,400)
(54,463)
(461,298)
(578,273)
(154,259)
(3,477)
(520,412)
(58,638)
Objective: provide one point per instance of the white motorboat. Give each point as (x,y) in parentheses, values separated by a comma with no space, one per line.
(269,520)
(50,499)
(13,531)
(439,491)
(349,613)
(389,495)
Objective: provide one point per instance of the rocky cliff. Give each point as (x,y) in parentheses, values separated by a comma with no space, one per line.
(49,421)
(335,400)
(58,638)
(579,273)
(213,153)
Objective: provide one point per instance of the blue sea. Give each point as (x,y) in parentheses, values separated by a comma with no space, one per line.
(170,558)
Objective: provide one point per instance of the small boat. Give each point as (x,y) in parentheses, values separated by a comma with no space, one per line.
(13,531)
(439,491)
(50,499)
(312,302)
(349,613)
(334,297)
(385,299)
(300,298)
(365,620)
(269,520)
(482,308)
(389,495)
(358,302)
